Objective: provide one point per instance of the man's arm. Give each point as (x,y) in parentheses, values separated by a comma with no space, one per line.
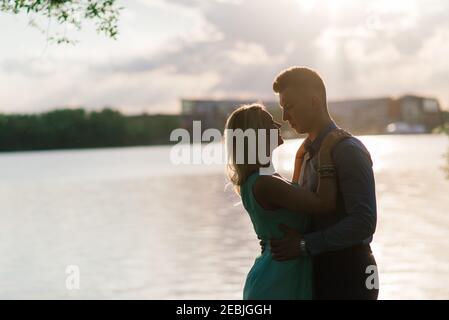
(356,183)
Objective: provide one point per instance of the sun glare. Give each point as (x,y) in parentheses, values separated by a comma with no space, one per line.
(307,5)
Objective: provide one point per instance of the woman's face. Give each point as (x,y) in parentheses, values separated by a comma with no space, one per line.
(272,124)
(277,126)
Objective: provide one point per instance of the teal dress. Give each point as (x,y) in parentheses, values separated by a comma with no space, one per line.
(269,279)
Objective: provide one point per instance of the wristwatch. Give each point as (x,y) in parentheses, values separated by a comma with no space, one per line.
(302,247)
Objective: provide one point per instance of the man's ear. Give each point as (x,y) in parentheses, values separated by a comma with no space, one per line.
(315,101)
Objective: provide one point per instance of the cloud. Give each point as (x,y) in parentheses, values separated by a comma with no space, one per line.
(153,91)
(174,48)
(245,49)
(259,38)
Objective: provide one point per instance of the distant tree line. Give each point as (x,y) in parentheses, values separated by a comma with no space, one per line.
(445,126)
(445,116)
(78,128)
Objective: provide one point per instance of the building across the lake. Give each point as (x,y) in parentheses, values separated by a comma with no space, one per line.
(360,116)
(213,113)
(381,115)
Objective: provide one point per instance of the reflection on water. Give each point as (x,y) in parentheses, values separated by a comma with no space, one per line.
(139,227)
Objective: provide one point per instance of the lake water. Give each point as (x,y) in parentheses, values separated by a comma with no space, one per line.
(140,227)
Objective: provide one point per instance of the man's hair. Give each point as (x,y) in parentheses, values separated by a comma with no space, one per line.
(299,77)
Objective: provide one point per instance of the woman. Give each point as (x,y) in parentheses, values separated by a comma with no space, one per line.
(270,201)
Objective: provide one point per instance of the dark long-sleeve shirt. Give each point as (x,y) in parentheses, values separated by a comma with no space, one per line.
(355,220)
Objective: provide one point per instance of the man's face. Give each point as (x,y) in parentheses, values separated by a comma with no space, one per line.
(298,109)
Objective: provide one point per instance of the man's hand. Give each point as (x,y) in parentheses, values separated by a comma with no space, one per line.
(287,248)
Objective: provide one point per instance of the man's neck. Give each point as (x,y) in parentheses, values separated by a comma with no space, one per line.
(319,127)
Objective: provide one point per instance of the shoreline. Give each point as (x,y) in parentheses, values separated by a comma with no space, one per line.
(173,144)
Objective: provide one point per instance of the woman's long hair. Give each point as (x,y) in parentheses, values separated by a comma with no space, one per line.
(253,116)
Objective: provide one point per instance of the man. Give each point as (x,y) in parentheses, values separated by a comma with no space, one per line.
(339,242)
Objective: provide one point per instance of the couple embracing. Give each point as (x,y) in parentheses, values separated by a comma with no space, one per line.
(315,230)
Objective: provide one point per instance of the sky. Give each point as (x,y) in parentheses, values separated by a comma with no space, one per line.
(172,49)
